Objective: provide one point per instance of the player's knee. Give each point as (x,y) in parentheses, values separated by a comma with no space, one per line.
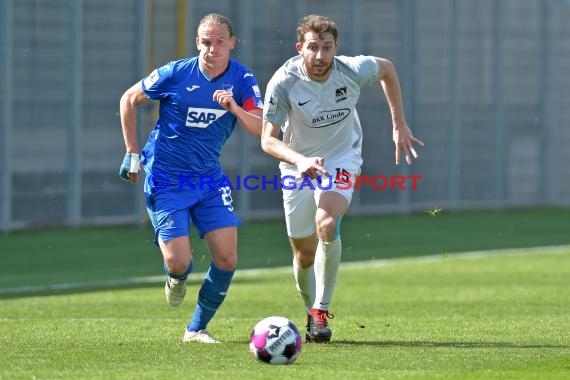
(226,260)
(177,265)
(304,259)
(326,228)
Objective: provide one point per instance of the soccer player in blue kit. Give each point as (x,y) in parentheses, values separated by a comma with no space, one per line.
(201,99)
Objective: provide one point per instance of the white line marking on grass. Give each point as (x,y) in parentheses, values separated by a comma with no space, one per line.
(474,255)
(95,285)
(471,255)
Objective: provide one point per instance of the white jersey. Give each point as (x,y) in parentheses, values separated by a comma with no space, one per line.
(320,118)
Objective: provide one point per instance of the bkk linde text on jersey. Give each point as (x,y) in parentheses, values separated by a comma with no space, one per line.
(330,117)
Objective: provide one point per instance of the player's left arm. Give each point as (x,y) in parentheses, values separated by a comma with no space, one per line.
(249,119)
(249,116)
(402,135)
(246,90)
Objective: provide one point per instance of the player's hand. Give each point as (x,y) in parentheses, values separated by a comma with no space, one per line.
(129,169)
(404,141)
(311,167)
(225,99)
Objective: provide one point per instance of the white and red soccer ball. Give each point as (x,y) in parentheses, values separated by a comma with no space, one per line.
(275,340)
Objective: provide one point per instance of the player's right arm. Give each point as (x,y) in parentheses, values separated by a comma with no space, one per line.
(270,144)
(275,112)
(132,98)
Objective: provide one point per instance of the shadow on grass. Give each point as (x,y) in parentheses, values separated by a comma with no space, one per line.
(427,344)
(421,344)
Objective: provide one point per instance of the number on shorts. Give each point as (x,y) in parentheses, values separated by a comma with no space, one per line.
(227,197)
(342,176)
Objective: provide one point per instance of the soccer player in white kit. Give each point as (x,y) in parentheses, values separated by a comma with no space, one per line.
(312,99)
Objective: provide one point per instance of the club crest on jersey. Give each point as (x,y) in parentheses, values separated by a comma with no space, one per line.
(202,117)
(272,108)
(340,94)
(328,118)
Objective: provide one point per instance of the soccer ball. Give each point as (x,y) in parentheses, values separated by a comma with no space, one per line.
(275,340)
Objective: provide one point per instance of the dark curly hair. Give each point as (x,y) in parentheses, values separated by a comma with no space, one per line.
(317,24)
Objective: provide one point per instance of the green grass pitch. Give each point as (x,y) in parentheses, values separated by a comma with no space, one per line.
(408,304)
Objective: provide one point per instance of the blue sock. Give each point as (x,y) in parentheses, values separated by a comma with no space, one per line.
(182,276)
(211,295)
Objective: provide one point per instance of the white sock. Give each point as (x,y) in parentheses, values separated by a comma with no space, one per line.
(305,281)
(327,262)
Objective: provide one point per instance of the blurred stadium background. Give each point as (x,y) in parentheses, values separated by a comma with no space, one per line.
(485,85)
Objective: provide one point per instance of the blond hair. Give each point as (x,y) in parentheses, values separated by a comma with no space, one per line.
(216,19)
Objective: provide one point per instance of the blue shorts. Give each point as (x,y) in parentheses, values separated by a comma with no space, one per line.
(172,212)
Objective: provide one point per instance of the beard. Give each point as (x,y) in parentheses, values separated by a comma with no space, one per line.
(320,70)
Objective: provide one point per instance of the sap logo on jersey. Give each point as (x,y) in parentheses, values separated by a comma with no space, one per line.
(202,117)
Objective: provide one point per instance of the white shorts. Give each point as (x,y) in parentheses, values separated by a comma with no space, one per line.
(301,197)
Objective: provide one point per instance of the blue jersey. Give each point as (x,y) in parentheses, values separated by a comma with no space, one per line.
(192,127)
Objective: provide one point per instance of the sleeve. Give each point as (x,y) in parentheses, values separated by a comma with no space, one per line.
(250,95)
(156,85)
(365,69)
(276,101)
